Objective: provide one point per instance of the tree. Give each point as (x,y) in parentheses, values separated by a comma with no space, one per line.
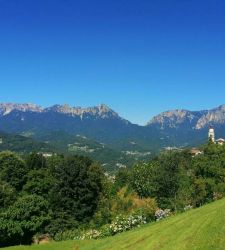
(169,177)
(35,161)
(39,182)
(122,179)
(209,170)
(200,192)
(76,191)
(22,220)
(143,176)
(7,195)
(13,170)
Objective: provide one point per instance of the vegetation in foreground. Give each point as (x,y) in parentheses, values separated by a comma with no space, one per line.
(202,228)
(69,197)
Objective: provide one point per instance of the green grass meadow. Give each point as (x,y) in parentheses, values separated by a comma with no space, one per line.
(202,228)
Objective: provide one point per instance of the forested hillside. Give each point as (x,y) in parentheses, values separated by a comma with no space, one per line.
(23,144)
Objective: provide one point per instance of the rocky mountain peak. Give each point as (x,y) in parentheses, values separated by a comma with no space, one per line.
(212,117)
(103,107)
(173,118)
(221,107)
(6,108)
(66,109)
(100,110)
(189,119)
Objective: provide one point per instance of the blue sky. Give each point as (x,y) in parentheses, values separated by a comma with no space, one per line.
(140,57)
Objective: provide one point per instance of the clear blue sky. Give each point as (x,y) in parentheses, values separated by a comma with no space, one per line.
(140,57)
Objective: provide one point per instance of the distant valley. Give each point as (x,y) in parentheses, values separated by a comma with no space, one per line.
(102,134)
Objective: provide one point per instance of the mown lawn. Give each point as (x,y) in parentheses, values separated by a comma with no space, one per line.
(202,228)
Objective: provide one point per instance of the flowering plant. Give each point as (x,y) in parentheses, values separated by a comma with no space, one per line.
(119,225)
(125,223)
(188,207)
(161,214)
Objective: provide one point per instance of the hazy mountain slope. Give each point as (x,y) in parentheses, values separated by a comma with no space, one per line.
(184,127)
(189,119)
(61,142)
(78,144)
(99,123)
(103,125)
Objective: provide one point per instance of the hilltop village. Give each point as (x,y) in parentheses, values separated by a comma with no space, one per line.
(211,136)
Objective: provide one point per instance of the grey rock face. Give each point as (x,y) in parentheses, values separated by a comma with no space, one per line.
(189,119)
(212,117)
(100,111)
(6,108)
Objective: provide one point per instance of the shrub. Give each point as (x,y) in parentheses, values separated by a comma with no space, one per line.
(91,234)
(119,225)
(125,223)
(68,235)
(161,214)
(188,207)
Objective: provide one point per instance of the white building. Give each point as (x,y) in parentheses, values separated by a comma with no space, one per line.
(211,134)
(45,154)
(220,141)
(196,152)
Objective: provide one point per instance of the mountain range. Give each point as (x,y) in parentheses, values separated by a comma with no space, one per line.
(62,125)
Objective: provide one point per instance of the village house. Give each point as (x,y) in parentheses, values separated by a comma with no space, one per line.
(196,152)
(220,141)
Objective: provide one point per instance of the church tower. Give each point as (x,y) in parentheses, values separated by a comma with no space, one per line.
(211,134)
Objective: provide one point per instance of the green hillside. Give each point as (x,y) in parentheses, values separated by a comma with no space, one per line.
(22,144)
(111,158)
(202,228)
(61,142)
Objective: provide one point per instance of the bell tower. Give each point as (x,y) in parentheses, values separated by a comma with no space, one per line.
(211,134)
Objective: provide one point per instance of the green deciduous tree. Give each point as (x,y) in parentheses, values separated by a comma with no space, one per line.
(40,182)
(35,161)
(7,195)
(76,191)
(26,217)
(13,170)
(143,177)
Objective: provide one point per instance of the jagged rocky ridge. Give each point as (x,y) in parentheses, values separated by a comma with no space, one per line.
(192,119)
(101,111)
(102,124)
(7,108)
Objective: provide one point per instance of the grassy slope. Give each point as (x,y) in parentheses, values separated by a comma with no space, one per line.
(202,228)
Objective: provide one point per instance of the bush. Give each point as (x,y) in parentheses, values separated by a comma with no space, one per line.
(161,214)
(68,235)
(188,207)
(146,207)
(119,225)
(91,234)
(125,223)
